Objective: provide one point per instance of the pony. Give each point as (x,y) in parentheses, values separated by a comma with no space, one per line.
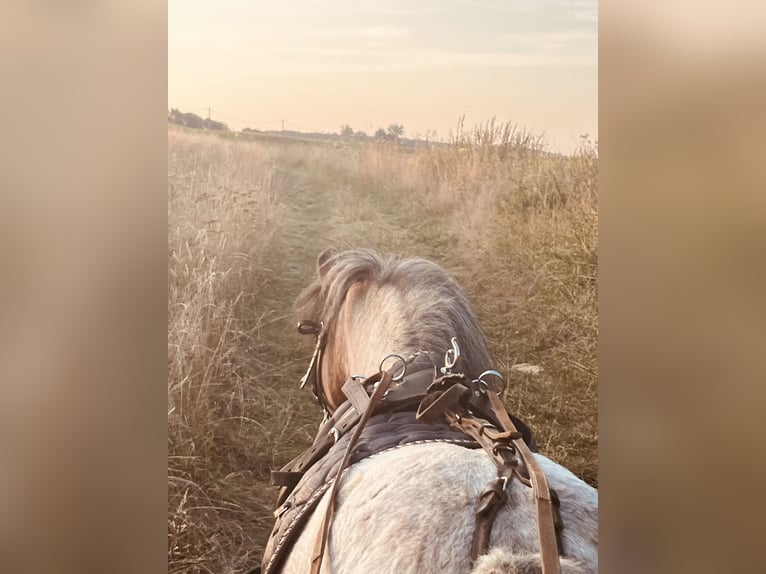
(411,509)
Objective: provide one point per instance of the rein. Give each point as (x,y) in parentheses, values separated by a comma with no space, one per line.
(382,381)
(477,412)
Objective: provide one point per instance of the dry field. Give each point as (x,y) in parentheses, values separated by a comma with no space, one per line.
(246,220)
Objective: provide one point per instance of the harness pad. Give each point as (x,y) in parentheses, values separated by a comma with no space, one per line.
(383,432)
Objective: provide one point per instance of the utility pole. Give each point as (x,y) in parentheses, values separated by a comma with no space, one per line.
(208,113)
(283,125)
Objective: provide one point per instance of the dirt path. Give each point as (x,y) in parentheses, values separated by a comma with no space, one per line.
(319,208)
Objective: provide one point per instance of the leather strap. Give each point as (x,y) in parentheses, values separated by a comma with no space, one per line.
(549,551)
(357,395)
(435,405)
(314,370)
(383,380)
(491,500)
(343,419)
(285,478)
(451,402)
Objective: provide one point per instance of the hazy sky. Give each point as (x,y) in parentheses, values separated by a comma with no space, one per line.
(320,64)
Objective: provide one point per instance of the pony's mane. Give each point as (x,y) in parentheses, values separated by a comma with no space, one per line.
(436,306)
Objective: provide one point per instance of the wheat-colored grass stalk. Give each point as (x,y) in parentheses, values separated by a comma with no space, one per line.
(526,222)
(220,224)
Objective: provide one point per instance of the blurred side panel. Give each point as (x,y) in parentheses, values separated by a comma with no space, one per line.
(681,290)
(82,311)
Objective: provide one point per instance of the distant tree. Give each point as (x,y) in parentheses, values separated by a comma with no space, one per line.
(346,131)
(381,134)
(360,135)
(395,131)
(194,121)
(209,124)
(189,120)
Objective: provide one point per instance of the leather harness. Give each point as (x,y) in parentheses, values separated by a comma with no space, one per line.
(412,404)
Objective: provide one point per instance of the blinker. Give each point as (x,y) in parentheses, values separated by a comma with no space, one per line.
(309,328)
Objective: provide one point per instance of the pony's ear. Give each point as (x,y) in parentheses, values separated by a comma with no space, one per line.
(323,261)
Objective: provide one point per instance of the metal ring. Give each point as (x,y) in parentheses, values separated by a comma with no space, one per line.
(494,373)
(482,382)
(400,376)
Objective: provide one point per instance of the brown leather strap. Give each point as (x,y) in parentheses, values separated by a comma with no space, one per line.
(342,420)
(312,374)
(437,404)
(545,512)
(450,403)
(491,500)
(383,380)
(357,395)
(285,478)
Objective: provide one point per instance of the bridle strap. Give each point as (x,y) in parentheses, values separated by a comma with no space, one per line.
(451,403)
(314,370)
(382,380)
(491,500)
(545,511)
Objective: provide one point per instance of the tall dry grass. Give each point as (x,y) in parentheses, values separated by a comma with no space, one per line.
(526,222)
(220,225)
(516,224)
